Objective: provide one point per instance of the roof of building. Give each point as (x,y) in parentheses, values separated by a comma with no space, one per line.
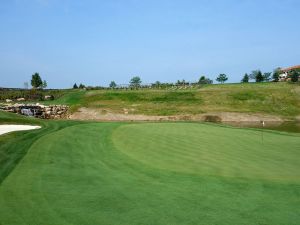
(290,68)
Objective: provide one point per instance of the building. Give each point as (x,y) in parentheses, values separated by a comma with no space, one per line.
(284,76)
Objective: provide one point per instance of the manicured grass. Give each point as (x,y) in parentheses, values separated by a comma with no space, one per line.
(15,145)
(212,150)
(154,173)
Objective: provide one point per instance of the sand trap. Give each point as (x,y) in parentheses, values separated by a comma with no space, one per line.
(10,128)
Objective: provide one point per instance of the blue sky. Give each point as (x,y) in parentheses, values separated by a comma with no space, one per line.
(94,42)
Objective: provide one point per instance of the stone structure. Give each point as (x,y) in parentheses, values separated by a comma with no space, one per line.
(37,110)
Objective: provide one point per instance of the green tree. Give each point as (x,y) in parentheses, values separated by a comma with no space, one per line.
(36,81)
(75,86)
(222,78)
(81,86)
(276,74)
(157,84)
(253,74)
(112,85)
(44,85)
(294,76)
(267,76)
(245,78)
(135,82)
(202,80)
(259,77)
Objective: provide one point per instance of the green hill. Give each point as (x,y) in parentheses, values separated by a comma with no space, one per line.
(281,99)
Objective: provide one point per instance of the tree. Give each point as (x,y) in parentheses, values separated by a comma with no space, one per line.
(294,76)
(112,85)
(253,74)
(222,78)
(36,81)
(276,74)
(157,84)
(267,76)
(245,78)
(135,82)
(44,84)
(81,86)
(204,80)
(259,77)
(75,86)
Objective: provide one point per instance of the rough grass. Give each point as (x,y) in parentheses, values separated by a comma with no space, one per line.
(271,98)
(37,94)
(153,173)
(282,99)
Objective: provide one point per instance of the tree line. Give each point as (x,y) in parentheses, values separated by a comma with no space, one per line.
(274,76)
(256,76)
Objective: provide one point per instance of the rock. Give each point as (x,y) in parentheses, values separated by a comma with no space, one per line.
(8,100)
(37,110)
(20,99)
(49,97)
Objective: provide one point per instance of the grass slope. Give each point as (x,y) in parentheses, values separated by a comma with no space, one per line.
(164,173)
(14,146)
(271,98)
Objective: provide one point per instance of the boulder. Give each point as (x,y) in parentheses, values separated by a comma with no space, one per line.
(49,97)
(37,110)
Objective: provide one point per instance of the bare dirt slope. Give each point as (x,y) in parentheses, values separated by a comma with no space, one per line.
(99,115)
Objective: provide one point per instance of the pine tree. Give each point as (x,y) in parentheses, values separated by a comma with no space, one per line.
(259,77)
(245,78)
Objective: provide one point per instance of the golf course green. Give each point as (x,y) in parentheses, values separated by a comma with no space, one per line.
(151,173)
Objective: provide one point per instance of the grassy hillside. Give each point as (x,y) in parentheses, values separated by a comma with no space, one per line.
(272,98)
(281,99)
(152,173)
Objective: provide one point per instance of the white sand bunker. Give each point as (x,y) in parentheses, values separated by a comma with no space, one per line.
(10,128)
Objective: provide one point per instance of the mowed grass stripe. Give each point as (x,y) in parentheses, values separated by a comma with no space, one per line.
(187,155)
(213,150)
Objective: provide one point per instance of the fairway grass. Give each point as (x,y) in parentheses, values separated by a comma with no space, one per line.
(154,173)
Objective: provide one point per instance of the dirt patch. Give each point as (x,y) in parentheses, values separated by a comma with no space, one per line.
(106,115)
(212,118)
(244,117)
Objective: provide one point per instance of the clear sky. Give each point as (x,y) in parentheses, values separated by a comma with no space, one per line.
(94,41)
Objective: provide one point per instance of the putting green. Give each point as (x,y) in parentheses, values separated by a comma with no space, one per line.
(155,173)
(211,150)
